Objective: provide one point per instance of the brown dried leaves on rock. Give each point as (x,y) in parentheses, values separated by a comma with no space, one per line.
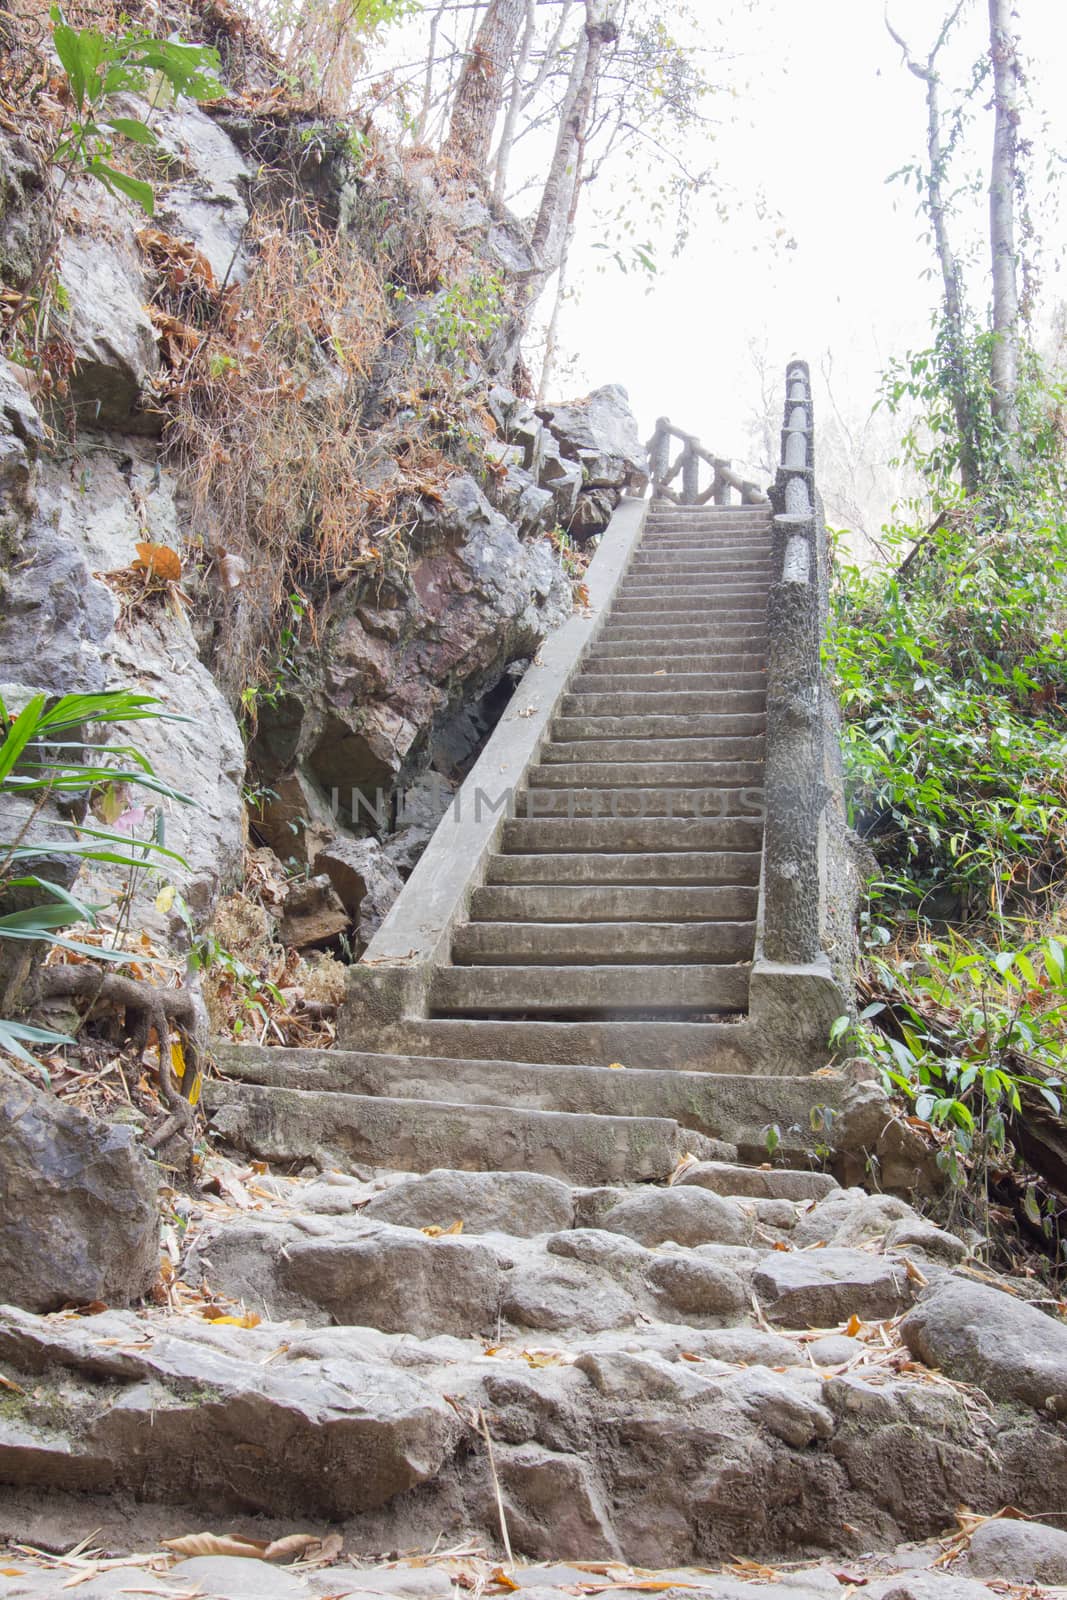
(307,1548)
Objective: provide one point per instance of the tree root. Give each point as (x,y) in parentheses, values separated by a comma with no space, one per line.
(161,1009)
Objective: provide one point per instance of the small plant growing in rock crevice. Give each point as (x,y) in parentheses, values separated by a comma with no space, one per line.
(99,70)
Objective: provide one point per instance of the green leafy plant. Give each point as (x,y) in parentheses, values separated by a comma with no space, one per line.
(98,69)
(953,681)
(461,318)
(963,1030)
(44,756)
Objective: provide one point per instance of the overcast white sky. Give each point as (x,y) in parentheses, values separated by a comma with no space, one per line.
(826,112)
(823,111)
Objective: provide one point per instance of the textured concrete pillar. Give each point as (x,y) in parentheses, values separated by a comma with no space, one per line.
(690,474)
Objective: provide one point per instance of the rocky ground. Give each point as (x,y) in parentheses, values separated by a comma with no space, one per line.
(734,1366)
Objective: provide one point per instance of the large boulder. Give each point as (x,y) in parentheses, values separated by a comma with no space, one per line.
(79,1219)
(365,880)
(382,678)
(206,204)
(600,432)
(982,1336)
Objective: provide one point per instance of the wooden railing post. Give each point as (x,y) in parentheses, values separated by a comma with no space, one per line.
(724,480)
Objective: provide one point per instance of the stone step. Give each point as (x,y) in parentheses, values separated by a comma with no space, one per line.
(705,1101)
(702,704)
(714,586)
(623,750)
(562,835)
(646,774)
(678,1044)
(710,568)
(669,528)
(558,991)
(622,802)
(759,1183)
(648,665)
(600,902)
(597,944)
(722,517)
(727,608)
(571,729)
(666,682)
(657,528)
(756,542)
(737,585)
(351,1130)
(663,636)
(730,869)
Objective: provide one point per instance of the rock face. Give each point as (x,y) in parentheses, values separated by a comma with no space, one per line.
(384,676)
(63,631)
(78,1215)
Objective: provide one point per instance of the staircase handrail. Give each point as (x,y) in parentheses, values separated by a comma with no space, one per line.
(692,455)
(797,700)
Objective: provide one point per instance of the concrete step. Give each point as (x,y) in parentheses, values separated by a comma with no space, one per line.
(349,1131)
(646,774)
(660,725)
(599,944)
(624,750)
(635,704)
(728,868)
(681,1044)
(562,835)
(558,991)
(634,802)
(599,902)
(755,541)
(711,565)
(666,682)
(705,1101)
(671,551)
(648,665)
(725,608)
(717,585)
(665,634)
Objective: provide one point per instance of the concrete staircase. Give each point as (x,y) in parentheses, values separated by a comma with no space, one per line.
(627,884)
(548,1242)
(614,926)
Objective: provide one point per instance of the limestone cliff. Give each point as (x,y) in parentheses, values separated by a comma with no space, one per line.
(301,376)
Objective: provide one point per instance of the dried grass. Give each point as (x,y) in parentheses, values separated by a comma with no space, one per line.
(266,421)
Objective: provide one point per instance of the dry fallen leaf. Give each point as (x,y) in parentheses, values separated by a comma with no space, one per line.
(217,1544)
(854,1327)
(683,1164)
(434,1232)
(498,1575)
(159,560)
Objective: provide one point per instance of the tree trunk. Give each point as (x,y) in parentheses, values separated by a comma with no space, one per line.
(561,185)
(481,85)
(1002,185)
(511,121)
(951,276)
(548,365)
(952,289)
